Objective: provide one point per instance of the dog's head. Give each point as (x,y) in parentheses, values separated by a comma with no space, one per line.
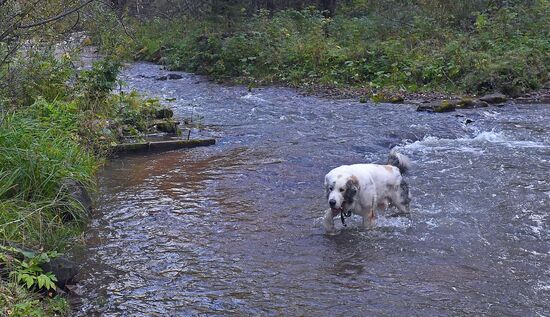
(341,192)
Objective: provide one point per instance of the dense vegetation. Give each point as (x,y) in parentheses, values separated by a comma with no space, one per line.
(57,121)
(457,47)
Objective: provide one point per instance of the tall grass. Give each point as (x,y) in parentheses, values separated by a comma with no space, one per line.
(37,157)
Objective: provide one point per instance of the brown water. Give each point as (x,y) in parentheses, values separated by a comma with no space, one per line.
(235,229)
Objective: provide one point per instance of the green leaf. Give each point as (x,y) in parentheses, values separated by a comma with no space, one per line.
(42,279)
(51,276)
(50,285)
(30,281)
(27,254)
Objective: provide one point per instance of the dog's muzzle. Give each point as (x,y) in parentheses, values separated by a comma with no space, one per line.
(340,211)
(336,211)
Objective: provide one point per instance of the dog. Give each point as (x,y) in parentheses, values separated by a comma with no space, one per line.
(363,188)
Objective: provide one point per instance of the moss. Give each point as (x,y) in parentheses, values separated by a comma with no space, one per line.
(445,106)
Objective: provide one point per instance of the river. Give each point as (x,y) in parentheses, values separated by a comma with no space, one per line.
(235,229)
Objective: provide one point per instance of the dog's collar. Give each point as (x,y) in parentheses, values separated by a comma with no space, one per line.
(344,215)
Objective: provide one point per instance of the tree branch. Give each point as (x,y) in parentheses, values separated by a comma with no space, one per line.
(57,17)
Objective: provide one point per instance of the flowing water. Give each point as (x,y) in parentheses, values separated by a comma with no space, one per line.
(235,229)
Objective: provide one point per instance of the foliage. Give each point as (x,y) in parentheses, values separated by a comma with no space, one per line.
(97,83)
(18,297)
(37,73)
(478,47)
(27,271)
(17,301)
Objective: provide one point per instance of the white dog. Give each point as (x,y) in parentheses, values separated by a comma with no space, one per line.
(362,188)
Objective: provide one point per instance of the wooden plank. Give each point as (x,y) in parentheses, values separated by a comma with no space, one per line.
(144,147)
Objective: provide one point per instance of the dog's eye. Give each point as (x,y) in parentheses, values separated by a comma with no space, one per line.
(341,189)
(330,188)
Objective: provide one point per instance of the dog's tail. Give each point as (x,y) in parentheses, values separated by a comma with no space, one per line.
(399,160)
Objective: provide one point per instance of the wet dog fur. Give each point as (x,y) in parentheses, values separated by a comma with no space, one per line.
(364,188)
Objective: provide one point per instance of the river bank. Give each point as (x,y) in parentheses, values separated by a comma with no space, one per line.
(58,125)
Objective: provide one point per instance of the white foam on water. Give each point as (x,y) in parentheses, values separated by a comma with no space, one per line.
(253,98)
(539,221)
(472,145)
(393,222)
(355,221)
(543,285)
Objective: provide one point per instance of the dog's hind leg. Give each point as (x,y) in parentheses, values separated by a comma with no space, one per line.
(402,199)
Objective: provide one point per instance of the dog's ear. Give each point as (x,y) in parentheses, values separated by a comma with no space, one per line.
(352,187)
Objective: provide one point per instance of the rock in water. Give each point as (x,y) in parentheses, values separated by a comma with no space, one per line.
(164,113)
(170,77)
(446,106)
(494,98)
(78,192)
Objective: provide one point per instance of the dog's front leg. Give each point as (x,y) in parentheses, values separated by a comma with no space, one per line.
(328,222)
(369,218)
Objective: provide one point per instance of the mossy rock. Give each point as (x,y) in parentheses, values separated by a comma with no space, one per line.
(470,103)
(167,126)
(87,41)
(397,99)
(164,113)
(141,53)
(446,106)
(387,97)
(494,98)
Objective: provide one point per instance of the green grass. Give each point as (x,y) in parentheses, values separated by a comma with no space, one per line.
(37,156)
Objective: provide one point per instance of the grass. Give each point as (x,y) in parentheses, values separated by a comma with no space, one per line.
(37,157)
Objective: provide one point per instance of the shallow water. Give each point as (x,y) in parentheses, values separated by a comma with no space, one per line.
(235,229)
